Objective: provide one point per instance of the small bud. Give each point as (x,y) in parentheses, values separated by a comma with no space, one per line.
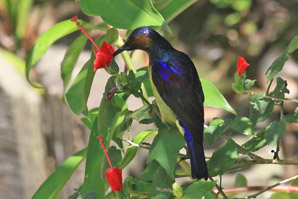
(177,190)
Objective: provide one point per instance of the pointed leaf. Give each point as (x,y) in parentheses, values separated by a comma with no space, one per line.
(174,8)
(214,98)
(132,151)
(256,142)
(70,58)
(198,189)
(57,180)
(213,131)
(124,14)
(106,124)
(240,124)
(292,117)
(274,131)
(46,40)
(165,149)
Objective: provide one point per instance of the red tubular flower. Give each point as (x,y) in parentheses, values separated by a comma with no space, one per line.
(241,65)
(104,54)
(113,175)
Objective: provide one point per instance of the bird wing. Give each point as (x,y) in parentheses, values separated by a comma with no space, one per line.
(179,86)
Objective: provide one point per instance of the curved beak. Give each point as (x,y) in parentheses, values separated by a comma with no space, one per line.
(120,50)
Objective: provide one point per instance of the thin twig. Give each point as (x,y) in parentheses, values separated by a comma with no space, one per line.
(267,161)
(280,188)
(219,189)
(282,99)
(272,186)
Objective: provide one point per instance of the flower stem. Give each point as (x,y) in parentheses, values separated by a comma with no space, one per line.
(104,149)
(74,19)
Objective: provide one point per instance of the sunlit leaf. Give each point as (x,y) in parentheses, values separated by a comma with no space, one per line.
(214,98)
(47,39)
(240,124)
(57,180)
(198,190)
(256,143)
(125,14)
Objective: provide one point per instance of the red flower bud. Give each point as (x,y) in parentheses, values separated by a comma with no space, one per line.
(113,175)
(241,65)
(104,54)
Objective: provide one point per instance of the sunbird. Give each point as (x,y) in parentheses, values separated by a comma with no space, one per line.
(177,90)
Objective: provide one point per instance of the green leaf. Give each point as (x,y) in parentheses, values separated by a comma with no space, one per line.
(90,118)
(214,98)
(276,66)
(177,190)
(174,8)
(107,120)
(223,158)
(292,117)
(143,115)
(240,124)
(70,58)
(134,186)
(57,180)
(132,151)
(293,45)
(260,108)
(238,86)
(112,35)
(124,14)
(78,93)
(198,189)
(213,131)
(274,131)
(256,143)
(46,40)
(248,84)
(23,8)
(165,149)
(241,5)
(283,195)
(161,181)
(280,89)
(240,181)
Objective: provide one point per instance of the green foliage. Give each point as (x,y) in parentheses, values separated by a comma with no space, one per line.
(223,159)
(240,181)
(113,119)
(52,187)
(46,40)
(126,15)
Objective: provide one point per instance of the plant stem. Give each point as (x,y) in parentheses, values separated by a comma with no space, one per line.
(267,161)
(279,188)
(282,99)
(219,189)
(272,186)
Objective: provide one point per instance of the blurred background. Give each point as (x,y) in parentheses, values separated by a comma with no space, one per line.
(38,131)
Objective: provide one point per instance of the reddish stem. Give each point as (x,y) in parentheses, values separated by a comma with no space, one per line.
(280,188)
(74,19)
(104,149)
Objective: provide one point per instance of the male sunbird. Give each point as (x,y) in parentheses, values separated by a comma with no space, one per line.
(177,89)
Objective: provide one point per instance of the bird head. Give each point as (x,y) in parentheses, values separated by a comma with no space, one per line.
(141,38)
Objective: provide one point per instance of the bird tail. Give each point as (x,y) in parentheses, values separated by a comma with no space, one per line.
(198,164)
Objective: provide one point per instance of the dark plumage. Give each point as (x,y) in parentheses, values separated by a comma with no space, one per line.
(177,82)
